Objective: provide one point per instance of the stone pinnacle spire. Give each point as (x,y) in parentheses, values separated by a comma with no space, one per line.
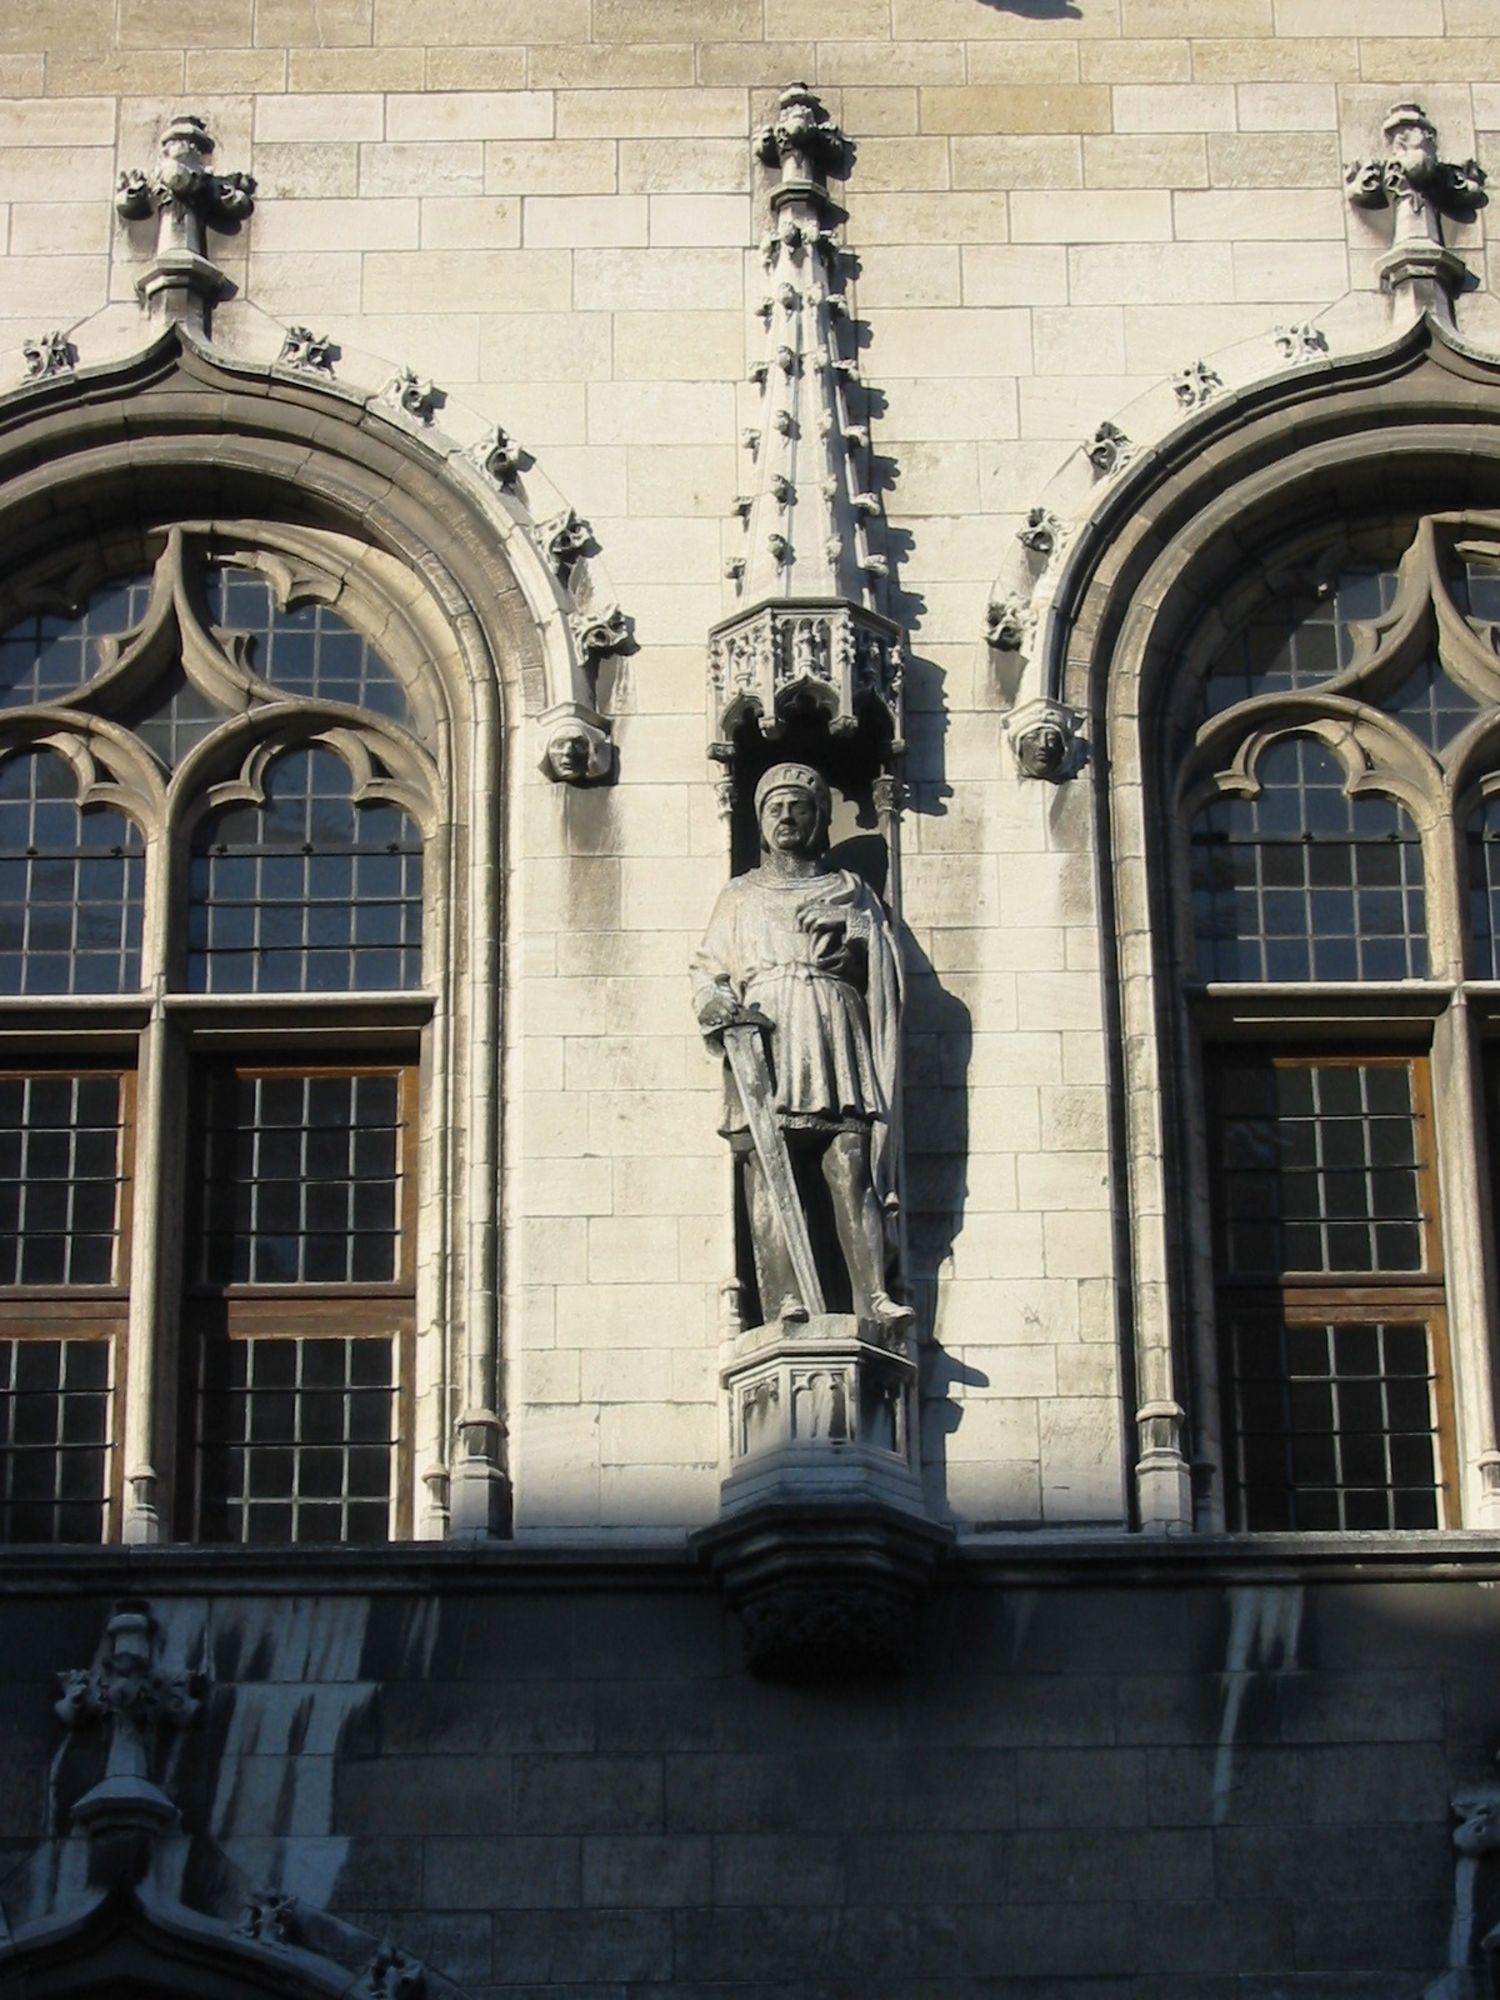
(806,632)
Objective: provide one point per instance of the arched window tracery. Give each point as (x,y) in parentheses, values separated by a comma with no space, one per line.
(213,786)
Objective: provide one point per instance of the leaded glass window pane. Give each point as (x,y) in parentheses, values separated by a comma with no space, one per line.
(54,1439)
(295,1439)
(1432,706)
(301,1179)
(173,716)
(1302,882)
(1335,1422)
(1289,643)
(44,657)
(1484,887)
(309,894)
(1320,1169)
(309,652)
(60,1179)
(71,885)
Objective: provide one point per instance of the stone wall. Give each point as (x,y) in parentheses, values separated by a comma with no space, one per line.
(1179,1779)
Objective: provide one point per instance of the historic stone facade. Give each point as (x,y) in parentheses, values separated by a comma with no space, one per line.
(1001,498)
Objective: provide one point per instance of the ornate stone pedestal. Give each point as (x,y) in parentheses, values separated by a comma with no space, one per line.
(823,1546)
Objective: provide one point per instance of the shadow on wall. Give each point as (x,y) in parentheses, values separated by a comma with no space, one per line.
(1037,10)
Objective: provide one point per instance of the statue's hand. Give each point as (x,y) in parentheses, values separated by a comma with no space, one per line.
(829,932)
(718,1010)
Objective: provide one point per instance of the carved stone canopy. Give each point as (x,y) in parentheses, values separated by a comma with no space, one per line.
(831,660)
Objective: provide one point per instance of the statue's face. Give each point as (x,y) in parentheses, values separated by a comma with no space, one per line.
(568,753)
(789,821)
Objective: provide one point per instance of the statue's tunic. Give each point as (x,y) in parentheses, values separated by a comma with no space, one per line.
(832,1051)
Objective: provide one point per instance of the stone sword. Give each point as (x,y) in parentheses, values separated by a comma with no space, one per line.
(745,1053)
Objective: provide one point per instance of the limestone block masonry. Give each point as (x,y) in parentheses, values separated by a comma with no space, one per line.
(952,395)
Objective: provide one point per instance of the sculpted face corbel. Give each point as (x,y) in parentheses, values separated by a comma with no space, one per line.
(1044,735)
(576,748)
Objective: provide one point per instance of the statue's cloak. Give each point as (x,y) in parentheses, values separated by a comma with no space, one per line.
(833,1045)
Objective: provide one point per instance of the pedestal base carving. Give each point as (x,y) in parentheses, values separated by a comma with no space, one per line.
(826,1590)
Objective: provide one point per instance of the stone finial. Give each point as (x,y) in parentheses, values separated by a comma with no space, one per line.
(48,354)
(1421,190)
(804,142)
(1044,735)
(576,747)
(186,196)
(302,348)
(811,507)
(136,1701)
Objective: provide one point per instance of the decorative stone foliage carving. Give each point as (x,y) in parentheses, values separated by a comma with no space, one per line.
(1010,624)
(498,456)
(49,354)
(1421,190)
(187,197)
(302,348)
(576,749)
(1109,450)
(1042,533)
(809,515)
(1044,736)
(1196,385)
(1301,341)
(565,541)
(136,1701)
(412,393)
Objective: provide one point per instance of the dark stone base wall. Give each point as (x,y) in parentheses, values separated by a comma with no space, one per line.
(1182,1782)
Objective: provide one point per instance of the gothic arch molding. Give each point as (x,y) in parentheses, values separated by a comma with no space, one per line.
(1408,430)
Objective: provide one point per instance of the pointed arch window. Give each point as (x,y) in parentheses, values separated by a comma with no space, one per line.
(1338,805)
(217,804)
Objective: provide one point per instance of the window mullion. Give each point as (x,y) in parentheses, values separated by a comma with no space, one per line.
(1464,1174)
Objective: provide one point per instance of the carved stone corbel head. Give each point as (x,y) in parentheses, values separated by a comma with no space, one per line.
(576,749)
(1044,735)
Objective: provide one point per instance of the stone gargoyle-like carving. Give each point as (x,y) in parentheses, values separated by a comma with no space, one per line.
(598,632)
(1044,735)
(187,197)
(565,541)
(1301,341)
(1042,533)
(498,457)
(136,1701)
(302,348)
(1196,385)
(268,1918)
(391,1975)
(1009,625)
(413,393)
(576,747)
(1109,450)
(48,354)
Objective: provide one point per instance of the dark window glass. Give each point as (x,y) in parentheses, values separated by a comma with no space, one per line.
(1302,882)
(71,885)
(309,651)
(54,1439)
(59,1179)
(45,657)
(1291,643)
(1484,887)
(1476,590)
(1320,1168)
(300,1179)
(310,894)
(295,1439)
(172,716)
(1433,707)
(1334,1424)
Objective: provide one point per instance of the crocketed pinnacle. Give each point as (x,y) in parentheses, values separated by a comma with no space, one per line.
(806,505)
